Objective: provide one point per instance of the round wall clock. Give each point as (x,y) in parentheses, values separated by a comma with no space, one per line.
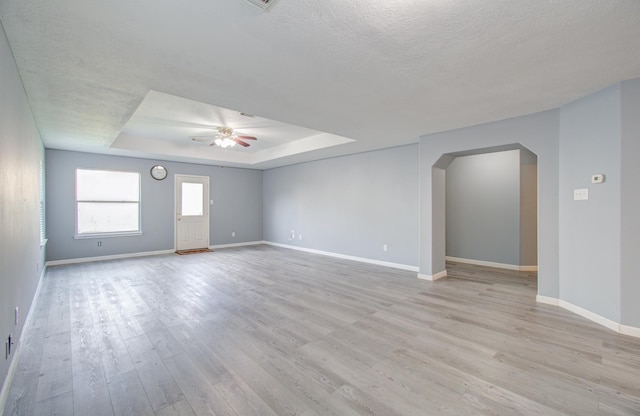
(158,172)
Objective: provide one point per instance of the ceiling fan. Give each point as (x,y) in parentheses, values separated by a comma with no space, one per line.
(226,138)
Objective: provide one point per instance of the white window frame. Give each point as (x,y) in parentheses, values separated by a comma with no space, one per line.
(103,234)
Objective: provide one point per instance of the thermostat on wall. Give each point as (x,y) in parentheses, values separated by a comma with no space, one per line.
(599,178)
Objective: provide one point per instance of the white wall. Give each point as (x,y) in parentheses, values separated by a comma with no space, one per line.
(21,257)
(349,205)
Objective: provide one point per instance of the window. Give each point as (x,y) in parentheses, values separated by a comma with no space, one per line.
(43,232)
(107,202)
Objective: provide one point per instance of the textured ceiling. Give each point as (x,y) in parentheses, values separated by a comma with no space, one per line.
(381,73)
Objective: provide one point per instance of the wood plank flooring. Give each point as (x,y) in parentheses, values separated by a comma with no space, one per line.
(269,331)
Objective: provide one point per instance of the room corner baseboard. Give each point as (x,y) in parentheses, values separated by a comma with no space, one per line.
(614,326)
(432,277)
(110,257)
(547,300)
(594,317)
(347,257)
(493,264)
(4,393)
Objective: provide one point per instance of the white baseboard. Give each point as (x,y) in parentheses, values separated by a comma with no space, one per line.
(432,277)
(547,300)
(4,393)
(347,257)
(248,243)
(493,264)
(601,320)
(141,254)
(614,326)
(111,257)
(632,331)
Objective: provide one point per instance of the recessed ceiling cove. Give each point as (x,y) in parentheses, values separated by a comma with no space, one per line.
(184,129)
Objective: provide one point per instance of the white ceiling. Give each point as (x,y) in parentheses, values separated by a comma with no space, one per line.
(167,126)
(101,76)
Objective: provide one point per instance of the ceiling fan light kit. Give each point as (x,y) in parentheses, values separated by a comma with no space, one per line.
(226,138)
(224,142)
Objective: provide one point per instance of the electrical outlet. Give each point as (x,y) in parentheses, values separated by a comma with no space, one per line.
(99,243)
(581,194)
(233,233)
(299,236)
(384,247)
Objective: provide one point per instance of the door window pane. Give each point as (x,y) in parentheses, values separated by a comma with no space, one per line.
(192,199)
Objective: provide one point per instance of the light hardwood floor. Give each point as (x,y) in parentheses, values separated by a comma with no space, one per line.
(269,331)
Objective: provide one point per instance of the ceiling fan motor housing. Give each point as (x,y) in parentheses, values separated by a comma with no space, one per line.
(225,131)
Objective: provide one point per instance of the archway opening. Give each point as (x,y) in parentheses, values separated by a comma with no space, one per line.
(486,203)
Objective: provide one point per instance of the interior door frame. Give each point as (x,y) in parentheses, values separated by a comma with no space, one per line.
(206,208)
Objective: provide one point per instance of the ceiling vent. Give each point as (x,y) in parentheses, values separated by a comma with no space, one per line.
(263,4)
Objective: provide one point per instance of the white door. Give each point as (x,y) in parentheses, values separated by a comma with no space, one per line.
(192,212)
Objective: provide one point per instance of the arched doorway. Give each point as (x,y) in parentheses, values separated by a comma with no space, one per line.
(491,208)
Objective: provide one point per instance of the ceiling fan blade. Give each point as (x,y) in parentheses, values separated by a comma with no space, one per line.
(246,137)
(240,142)
(202,139)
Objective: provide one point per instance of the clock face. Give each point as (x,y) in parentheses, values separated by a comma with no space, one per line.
(159,172)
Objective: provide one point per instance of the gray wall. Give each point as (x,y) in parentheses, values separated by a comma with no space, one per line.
(483,207)
(528,208)
(590,230)
(587,249)
(350,205)
(538,133)
(630,189)
(237,196)
(21,257)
